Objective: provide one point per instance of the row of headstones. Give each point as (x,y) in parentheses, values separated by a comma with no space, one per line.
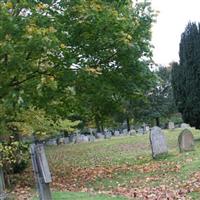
(80,138)
(159,144)
(171,125)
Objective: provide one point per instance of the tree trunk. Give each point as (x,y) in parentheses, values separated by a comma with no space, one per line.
(157,121)
(97,122)
(128,123)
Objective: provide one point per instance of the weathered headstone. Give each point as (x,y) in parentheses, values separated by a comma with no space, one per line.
(91,138)
(186,141)
(108,135)
(81,139)
(41,171)
(124,131)
(100,136)
(132,132)
(158,142)
(116,133)
(171,125)
(51,142)
(184,125)
(140,131)
(66,140)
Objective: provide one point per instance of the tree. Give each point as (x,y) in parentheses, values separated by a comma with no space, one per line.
(161,100)
(185,76)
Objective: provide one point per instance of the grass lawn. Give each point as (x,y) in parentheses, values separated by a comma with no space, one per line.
(124,166)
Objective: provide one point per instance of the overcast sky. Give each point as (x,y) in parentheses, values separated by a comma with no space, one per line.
(171,22)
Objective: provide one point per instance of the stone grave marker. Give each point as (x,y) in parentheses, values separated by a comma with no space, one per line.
(100,136)
(132,132)
(108,135)
(158,142)
(41,171)
(186,141)
(171,125)
(184,125)
(116,133)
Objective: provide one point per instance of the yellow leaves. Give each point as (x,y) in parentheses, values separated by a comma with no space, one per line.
(62,46)
(34,29)
(95,71)
(41,6)
(9,5)
(126,38)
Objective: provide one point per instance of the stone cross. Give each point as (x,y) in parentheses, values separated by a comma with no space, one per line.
(158,142)
(186,141)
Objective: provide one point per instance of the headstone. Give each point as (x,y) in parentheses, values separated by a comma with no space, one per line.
(66,140)
(186,141)
(147,129)
(41,171)
(72,138)
(140,131)
(51,142)
(91,138)
(132,132)
(100,136)
(108,135)
(184,125)
(61,140)
(171,125)
(116,133)
(158,142)
(125,132)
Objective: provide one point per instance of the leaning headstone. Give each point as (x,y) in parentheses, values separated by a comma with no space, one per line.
(186,141)
(184,125)
(158,142)
(41,171)
(171,125)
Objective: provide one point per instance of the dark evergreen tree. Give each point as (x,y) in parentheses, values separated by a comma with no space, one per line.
(186,76)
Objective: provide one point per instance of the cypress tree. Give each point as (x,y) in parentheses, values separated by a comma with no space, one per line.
(186,76)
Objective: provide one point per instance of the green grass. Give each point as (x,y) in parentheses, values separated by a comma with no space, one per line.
(129,161)
(81,196)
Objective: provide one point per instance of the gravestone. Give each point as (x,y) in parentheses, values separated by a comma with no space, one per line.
(108,135)
(72,138)
(184,125)
(186,141)
(51,142)
(171,125)
(132,132)
(66,140)
(125,132)
(100,136)
(41,171)
(61,140)
(140,131)
(116,133)
(91,138)
(158,142)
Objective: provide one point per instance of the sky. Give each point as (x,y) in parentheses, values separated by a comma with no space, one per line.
(172,19)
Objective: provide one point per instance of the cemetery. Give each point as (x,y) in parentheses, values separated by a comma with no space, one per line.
(93,105)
